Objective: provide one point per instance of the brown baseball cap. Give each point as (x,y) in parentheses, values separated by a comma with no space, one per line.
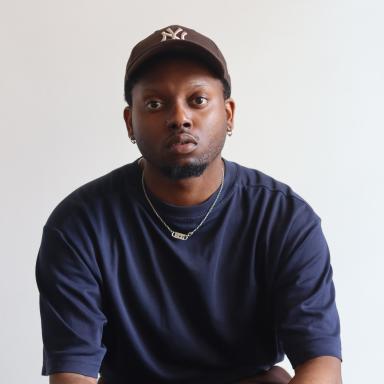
(177,38)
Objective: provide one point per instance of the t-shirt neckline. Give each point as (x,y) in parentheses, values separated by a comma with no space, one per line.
(193,211)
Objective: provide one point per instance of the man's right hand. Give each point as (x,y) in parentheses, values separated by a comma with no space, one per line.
(71,378)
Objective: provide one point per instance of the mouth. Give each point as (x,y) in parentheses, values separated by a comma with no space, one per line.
(181,138)
(182,143)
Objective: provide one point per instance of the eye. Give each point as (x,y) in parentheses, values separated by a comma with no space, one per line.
(153,105)
(200,100)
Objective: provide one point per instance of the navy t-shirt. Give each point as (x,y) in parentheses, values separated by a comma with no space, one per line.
(120,296)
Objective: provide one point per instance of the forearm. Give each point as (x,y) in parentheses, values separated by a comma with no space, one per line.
(71,378)
(321,370)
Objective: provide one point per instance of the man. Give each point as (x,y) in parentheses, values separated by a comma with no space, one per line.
(183,267)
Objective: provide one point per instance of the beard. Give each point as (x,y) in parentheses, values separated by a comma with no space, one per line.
(178,172)
(175,170)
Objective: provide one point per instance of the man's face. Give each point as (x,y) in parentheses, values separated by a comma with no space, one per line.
(179,117)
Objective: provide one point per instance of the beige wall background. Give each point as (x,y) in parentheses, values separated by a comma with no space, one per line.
(308,79)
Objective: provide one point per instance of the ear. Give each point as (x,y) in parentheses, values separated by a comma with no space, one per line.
(128,120)
(230,107)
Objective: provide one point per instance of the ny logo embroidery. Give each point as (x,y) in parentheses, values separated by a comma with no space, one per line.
(173,35)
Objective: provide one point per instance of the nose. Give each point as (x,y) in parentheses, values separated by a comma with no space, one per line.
(178,117)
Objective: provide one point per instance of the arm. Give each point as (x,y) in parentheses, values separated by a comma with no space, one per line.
(320,370)
(306,315)
(307,320)
(71,378)
(71,306)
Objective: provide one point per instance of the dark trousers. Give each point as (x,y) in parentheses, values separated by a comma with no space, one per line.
(276,375)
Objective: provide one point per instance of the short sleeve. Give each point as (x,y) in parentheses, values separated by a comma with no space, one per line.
(307,320)
(70,306)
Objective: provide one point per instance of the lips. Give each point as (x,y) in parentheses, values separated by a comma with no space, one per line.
(181,139)
(181,143)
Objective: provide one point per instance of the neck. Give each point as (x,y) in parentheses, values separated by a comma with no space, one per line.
(183,192)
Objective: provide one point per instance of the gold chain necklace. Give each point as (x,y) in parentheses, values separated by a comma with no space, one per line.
(180,235)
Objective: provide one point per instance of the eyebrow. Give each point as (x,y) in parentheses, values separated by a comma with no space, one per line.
(148,92)
(195,84)
(198,84)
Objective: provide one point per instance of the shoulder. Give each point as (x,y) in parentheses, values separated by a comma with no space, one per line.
(96,195)
(263,188)
(253,179)
(273,207)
